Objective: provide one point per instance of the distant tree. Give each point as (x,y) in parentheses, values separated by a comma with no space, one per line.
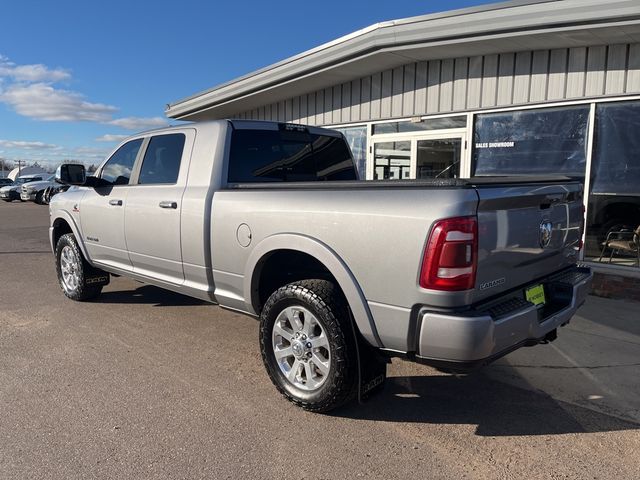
(6,164)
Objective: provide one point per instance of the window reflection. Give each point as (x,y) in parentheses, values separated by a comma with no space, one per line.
(530,142)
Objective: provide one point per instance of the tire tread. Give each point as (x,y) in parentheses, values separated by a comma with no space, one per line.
(83,292)
(328,299)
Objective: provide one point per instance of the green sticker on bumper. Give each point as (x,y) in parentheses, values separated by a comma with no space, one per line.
(535,295)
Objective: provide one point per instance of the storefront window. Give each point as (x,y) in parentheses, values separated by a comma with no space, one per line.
(357,139)
(613,215)
(532,142)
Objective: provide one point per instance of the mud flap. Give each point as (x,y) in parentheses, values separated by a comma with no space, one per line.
(95,277)
(373,371)
(372,365)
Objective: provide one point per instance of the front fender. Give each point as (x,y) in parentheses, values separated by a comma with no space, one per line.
(63,215)
(330,259)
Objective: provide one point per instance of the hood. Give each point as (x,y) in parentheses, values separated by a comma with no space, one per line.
(38,184)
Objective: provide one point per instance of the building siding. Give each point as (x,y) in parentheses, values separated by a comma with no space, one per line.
(467,83)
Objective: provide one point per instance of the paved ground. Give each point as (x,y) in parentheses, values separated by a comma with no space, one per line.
(144,383)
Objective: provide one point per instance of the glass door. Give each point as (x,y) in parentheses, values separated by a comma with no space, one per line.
(424,156)
(438,157)
(392,160)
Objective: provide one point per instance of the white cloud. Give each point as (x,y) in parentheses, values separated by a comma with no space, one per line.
(111,138)
(30,91)
(90,151)
(31,73)
(139,123)
(44,102)
(25,145)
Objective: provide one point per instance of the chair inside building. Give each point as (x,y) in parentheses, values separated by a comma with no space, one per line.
(622,242)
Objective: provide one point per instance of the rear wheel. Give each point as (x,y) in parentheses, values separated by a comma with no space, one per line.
(72,269)
(307,345)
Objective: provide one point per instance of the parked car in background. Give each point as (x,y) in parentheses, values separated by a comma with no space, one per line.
(49,192)
(12,192)
(5,181)
(34,191)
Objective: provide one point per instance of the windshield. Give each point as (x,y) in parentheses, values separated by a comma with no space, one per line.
(27,179)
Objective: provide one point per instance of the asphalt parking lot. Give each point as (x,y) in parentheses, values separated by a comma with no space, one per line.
(143,383)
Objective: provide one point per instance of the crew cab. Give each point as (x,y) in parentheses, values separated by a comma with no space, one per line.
(270,220)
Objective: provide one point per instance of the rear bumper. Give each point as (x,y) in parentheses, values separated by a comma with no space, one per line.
(477,337)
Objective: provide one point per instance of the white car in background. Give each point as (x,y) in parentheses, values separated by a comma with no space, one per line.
(34,191)
(12,192)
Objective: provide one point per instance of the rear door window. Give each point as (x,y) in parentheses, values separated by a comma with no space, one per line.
(288,156)
(161,163)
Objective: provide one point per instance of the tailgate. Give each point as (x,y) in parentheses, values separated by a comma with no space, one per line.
(526,232)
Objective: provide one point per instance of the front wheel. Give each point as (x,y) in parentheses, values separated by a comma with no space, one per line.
(72,269)
(308,346)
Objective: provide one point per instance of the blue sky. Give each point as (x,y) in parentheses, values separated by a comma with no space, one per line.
(75,77)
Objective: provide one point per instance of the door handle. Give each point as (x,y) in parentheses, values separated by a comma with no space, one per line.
(115,203)
(167,204)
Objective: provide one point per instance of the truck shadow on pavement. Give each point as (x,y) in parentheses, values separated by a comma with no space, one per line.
(498,409)
(148,295)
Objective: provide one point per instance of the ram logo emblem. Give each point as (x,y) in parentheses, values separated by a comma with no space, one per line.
(545,233)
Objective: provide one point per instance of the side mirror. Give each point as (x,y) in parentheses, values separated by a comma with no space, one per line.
(71,174)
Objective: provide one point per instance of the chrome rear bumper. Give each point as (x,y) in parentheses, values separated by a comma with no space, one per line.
(473,338)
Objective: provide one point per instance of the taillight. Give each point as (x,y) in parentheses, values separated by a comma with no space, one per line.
(451,255)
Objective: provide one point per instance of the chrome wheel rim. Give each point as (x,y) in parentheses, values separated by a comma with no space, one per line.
(301,348)
(70,269)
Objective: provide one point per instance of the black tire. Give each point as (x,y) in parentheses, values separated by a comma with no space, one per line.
(82,292)
(39,196)
(614,225)
(324,300)
(8,200)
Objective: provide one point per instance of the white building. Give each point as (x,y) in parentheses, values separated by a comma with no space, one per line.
(522,87)
(16,172)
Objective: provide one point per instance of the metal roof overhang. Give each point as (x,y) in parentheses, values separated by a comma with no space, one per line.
(496,28)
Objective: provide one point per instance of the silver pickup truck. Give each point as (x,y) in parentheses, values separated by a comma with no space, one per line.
(269,219)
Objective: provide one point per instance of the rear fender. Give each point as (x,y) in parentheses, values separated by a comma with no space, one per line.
(325,255)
